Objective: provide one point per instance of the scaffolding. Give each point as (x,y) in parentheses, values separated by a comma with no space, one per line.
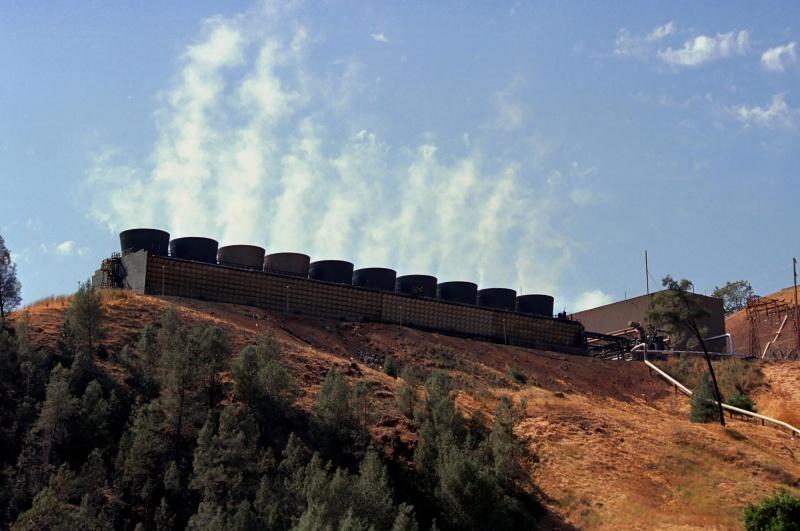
(761,311)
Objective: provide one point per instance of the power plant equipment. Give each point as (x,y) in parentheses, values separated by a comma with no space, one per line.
(419,285)
(379,278)
(153,241)
(535,304)
(338,271)
(502,298)
(194,248)
(295,264)
(243,256)
(457,291)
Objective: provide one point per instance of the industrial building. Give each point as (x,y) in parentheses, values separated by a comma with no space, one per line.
(615,317)
(193,267)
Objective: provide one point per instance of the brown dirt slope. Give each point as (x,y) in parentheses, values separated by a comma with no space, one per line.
(739,327)
(615,450)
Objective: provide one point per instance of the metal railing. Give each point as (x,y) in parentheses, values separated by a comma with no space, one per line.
(763,418)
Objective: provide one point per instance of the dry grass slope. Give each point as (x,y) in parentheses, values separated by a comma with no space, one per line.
(615,450)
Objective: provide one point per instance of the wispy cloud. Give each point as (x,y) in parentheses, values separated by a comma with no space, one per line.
(703,49)
(778,58)
(777,114)
(379,37)
(660,32)
(631,45)
(509,110)
(65,248)
(252,148)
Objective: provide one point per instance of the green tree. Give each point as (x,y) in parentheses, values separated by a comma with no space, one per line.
(209,347)
(84,318)
(406,395)
(10,288)
(734,295)
(504,445)
(373,499)
(180,374)
(676,309)
(50,434)
(441,426)
(262,381)
(143,453)
(334,410)
(389,367)
(778,512)
(147,362)
(703,407)
(227,461)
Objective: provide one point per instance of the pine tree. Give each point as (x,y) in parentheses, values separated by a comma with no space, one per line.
(84,318)
(333,409)
(373,498)
(503,442)
(10,288)
(405,521)
(407,393)
(180,381)
(227,461)
(704,406)
(144,452)
(209,347)
(148,359)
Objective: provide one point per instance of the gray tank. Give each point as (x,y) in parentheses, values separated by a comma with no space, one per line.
(244,256)
(338,271)
(502,298)
(535,304)
(457,291)
(419,285)
(194,248)
(153,241)
(287,264)
(379,278)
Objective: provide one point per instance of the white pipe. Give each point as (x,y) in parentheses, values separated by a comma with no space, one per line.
(726,407)
(728,336)
(774,339)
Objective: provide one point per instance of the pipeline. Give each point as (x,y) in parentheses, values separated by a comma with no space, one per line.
(685,390)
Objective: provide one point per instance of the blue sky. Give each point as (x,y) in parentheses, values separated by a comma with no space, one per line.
(540,147)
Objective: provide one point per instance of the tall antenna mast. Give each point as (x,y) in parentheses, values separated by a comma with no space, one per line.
(646,273)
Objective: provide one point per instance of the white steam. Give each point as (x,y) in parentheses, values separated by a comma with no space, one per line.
(249,150)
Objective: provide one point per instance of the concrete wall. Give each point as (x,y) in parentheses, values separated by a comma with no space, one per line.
(154,274)
(617,315)
(134,267)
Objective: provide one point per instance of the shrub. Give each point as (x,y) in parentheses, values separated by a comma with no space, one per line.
(389,367)
(742,401)
(406,395)
(704,408)
(779,512)
(517,375)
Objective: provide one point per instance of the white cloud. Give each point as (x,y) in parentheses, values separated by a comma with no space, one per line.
(660,32)
(778,58)
(65,248)
(628,44)
(776,114)
(379,37)
(267,153)
(703,49)
(591,299)
(510,112)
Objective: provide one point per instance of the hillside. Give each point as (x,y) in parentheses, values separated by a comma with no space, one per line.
(739,327)
(614,449)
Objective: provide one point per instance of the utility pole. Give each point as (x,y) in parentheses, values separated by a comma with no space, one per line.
(646,274)
(796,314)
